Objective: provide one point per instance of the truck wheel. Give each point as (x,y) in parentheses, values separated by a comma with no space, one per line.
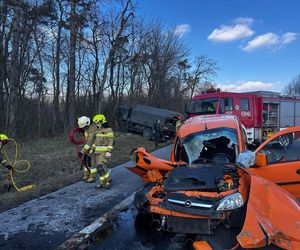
(123,127)
(147,133)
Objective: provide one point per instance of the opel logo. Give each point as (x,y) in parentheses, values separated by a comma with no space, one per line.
(187,203)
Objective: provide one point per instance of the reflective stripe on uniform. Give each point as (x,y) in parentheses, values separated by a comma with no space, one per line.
(104,177)
(93,170)
(110,147)
(110,134)
(86,147)
(101,148)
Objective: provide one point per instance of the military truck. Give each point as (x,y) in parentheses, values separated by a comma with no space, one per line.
(141,119)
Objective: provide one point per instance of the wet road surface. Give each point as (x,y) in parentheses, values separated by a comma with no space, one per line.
(132,231)
(48,221)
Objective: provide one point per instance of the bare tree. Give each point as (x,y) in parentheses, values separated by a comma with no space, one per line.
(14,72)
(205,70)
(71,81)
(293,87)
(68,58)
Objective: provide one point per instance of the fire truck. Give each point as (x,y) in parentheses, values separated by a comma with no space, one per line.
(262,113)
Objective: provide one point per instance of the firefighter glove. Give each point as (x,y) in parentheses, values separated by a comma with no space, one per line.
(107,154)
(9,167)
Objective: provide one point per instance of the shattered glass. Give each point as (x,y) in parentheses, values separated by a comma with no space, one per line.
(196,144)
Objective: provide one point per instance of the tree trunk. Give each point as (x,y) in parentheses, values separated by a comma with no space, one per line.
(71,83)
(57,72)
(14,74)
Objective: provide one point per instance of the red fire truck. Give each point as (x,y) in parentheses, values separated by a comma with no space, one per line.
(261,112)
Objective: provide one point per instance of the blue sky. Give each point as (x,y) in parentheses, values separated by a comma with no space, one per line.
(256,43)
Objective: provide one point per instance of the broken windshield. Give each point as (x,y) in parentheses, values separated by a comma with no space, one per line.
(210,143)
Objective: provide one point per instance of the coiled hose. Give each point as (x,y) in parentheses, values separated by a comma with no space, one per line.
(15,169)
(75,133)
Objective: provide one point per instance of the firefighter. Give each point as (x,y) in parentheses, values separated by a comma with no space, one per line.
(3,160)
(179,122)
(103,147)
(86,152)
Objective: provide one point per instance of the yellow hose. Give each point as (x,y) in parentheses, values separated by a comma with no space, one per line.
(14,164)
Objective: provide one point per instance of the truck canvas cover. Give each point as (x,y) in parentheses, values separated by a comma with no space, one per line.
(152,113)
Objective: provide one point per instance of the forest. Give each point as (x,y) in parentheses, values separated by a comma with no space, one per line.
(61,59)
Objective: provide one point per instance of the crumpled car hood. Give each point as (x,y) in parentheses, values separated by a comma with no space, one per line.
(202,178)
(273,217)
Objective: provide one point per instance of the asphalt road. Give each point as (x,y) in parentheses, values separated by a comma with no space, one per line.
(48,221)
(132,231)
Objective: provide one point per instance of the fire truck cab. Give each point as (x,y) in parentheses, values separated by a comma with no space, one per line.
(261,112)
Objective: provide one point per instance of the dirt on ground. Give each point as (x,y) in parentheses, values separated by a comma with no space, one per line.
(54,165)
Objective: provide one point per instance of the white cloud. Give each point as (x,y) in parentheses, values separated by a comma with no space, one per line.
(265,40)
(227,33)
(246,86)
(288,37)
(244,20)
(182,29)
(270,40)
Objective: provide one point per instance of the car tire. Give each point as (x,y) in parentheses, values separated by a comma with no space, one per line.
(237,218)
(141,201)
(147,133)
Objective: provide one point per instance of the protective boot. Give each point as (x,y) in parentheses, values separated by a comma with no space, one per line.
(86,175)
(93,175)
(105,180)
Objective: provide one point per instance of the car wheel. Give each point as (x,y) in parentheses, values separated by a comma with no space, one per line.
(237,218)
(147,133)
(141,201)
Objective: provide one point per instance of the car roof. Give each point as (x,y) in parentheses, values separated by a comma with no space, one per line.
(203,122)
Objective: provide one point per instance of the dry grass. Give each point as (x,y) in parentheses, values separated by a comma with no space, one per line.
(54,164)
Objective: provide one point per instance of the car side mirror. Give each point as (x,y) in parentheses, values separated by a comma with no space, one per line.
(261,160)
(246,159)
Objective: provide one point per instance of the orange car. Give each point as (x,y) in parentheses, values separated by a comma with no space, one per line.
(212,179)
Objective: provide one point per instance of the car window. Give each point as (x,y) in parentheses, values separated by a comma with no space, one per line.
(285,148)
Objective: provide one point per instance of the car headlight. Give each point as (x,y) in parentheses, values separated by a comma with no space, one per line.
(231,202)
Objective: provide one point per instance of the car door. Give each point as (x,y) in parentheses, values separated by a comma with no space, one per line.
(282,160)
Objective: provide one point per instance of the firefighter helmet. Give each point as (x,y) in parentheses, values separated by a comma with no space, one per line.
(3,138)
(99,119)
(83,121)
